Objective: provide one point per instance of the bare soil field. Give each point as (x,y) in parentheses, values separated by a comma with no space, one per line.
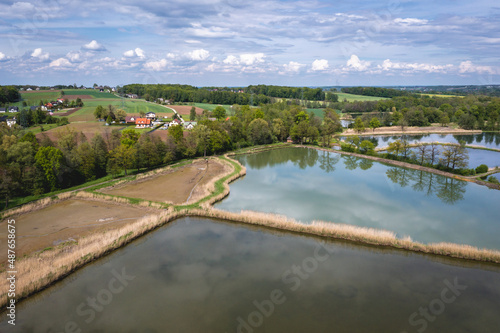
(410,130)
(174,186)
(66,221)
(185,109)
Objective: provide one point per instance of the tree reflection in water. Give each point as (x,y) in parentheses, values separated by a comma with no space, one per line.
(327,161)
(352,163)
(449,190)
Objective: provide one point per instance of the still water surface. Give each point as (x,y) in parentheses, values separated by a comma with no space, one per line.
(307,184)
(200,275)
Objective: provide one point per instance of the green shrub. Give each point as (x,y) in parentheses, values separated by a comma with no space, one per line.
(493,180)
(482,168)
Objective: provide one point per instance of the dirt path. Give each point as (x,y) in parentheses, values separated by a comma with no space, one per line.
(396,130)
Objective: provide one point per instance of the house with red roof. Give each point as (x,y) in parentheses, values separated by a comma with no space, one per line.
(142,122)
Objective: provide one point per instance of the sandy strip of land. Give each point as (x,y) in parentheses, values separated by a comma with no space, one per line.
(395,130)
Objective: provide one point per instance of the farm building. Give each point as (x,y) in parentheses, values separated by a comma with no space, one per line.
(175,122)
(142,122)
(11,122)
(189,125)
(130,119)
(151,115)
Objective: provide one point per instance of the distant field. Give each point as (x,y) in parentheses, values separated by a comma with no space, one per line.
(87,128)
(34,97)
(319,112)
(90,92)
(439,95)
(211,107)
(358,98)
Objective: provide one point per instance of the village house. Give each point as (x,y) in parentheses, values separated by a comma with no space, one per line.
(2,110)
(142,122)
(131,96)
(151,116)
(175,122)
(11,122)
(13,109)
(189,125)
(130,119)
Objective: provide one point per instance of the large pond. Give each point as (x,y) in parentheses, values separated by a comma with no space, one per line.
(199,275)
(307,184)
(488,140)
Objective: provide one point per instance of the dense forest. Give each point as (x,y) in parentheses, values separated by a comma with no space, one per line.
(251,95)
(374,91)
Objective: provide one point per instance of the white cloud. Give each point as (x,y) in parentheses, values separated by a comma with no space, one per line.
(94,46)
(231,60)
(170,55)
(293,66)
(198,55)
(320,65)
(134,53)
(357,64)
(469,67)
(156,65)
(38,53)
(192,41)
(2,56)
(388,65)
(213,32)
(73,56)
(61,62)
(252,58)
(410,21)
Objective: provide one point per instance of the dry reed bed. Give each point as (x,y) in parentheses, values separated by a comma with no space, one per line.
(353,233)
(40,270)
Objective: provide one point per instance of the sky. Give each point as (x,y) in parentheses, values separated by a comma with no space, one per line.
(242,42)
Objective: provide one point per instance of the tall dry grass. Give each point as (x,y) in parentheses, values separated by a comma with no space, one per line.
(353,233)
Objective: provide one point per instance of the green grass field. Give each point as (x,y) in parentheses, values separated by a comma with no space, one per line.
(358,98)
(443,96)
(90,92)
(319,112)
(33,98)
(211,107)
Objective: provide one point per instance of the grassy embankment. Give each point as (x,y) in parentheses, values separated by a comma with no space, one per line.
(41,269)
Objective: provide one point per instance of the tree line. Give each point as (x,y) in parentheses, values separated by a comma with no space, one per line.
(33,166)
(251,95)
(9,94)
(375,91)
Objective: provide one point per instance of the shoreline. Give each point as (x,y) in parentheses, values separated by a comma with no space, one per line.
(40,270)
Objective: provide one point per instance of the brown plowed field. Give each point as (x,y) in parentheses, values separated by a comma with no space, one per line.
(175,185)
(185,109)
